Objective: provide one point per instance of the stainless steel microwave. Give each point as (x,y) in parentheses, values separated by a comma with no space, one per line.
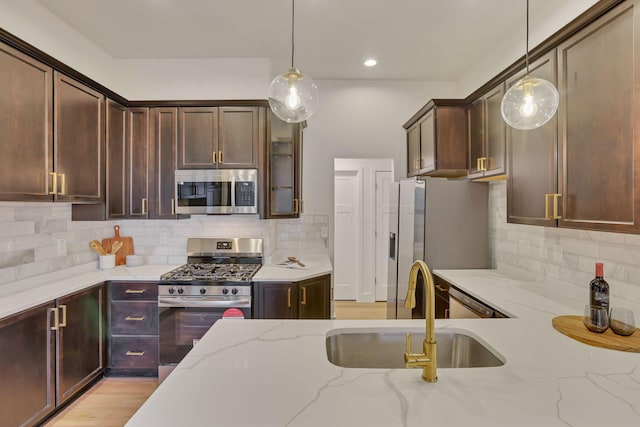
(216,191)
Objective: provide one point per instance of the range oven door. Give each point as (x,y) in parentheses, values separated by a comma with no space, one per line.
(184,320)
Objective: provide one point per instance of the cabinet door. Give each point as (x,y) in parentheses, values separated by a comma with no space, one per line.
(495,134)
(532,160)
(599,127)
(26,122)
(476,138)
(276,300)
(138,144)
(314,297)
(28,370)
(198,138)
(116,160)
(283,156)
(427,142)
(80,343)
(78,141)
(240,131)
(413,150)
(165,139)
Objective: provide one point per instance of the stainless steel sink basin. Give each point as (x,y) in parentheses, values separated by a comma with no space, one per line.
(385,347)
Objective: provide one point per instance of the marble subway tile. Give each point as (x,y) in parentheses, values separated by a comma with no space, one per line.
(16,258)
(33,269)
(17,228)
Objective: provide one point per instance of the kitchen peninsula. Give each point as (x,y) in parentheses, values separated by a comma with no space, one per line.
(276,373)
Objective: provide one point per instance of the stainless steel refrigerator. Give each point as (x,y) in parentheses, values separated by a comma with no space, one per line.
(442,222)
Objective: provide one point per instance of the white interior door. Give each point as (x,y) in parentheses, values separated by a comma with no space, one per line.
(384,209)
(347,266)
(361,228)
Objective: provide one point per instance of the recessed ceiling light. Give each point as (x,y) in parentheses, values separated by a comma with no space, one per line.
(370,62)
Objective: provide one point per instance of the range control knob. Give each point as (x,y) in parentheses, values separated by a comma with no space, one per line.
(181,291)
(234,291)
(172,291)
(203,291)
(225,291)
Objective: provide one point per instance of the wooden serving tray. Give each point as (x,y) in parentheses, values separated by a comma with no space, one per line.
(573,327)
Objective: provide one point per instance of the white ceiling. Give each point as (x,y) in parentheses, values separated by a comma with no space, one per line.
(411,39)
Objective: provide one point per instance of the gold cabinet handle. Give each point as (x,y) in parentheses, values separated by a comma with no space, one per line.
(134,353)
(54,183)
(214,156)
(63,324)
(220,157)
(304,296)
(547,214)
(479,163)
(56,318)
(63,184)
(173,207)
(134,319)
(134,291)
(289,298)
(555,206)
(144,206)
(296,206)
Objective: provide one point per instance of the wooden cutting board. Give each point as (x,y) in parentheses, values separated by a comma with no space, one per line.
(127,246)
(573,327)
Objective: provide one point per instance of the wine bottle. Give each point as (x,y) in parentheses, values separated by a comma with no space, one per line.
(599,289)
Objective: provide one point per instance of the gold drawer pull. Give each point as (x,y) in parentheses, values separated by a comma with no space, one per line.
(134,291)
(289,298)
(135,353)
(304,296)
(139,319)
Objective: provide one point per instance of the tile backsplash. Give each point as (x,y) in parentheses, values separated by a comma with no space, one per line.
(562,257)
(39,242)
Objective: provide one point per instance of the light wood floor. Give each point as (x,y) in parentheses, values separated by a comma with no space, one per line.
(112,401)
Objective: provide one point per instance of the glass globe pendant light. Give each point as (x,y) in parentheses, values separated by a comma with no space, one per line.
(293,95)
(531,102)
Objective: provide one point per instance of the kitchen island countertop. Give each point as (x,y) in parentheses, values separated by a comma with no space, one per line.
(276,373)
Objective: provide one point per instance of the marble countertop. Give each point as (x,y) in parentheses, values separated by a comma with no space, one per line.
(18,297)
(276,373)
(23,299)
(315,265)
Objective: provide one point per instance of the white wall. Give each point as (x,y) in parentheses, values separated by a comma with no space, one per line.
(543,24)
(234,78)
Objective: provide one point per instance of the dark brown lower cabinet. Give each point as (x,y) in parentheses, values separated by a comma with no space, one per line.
(27,357)
(308,299)
(133,329)
(48,354)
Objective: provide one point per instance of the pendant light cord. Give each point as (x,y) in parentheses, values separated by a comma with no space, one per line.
(526,54)
(293,14)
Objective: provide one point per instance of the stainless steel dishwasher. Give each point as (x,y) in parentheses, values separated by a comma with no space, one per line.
(463,306)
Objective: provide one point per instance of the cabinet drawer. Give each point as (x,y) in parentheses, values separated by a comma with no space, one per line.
(134,352)
(134,318)
(146,291)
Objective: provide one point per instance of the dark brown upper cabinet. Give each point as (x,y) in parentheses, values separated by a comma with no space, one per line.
(26,120)
(437,139)
(138,147)
(599,130)
(282,198)
(220,137)
(532,167)
(116,137)
(78,135)
(164,135)
(487,136)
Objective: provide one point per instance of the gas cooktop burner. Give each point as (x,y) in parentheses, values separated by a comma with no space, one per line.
(212,272)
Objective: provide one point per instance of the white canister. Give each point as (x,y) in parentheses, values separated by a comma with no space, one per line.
(107,262)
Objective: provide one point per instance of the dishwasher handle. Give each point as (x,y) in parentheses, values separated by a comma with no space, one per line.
(476,307)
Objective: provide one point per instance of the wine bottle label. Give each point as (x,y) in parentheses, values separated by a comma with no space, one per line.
(601,297)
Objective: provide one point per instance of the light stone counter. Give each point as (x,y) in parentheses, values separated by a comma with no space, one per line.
(315,265)
(276,373)
(23,299)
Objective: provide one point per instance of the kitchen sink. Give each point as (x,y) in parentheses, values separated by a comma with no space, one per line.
(384,348)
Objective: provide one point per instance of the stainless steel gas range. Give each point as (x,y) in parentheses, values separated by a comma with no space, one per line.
(215,283)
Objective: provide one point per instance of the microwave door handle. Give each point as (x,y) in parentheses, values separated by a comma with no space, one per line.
(233,192)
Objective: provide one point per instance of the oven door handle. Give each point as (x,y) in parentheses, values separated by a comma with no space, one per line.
(183,302)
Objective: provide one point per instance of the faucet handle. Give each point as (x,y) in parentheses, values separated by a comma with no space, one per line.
(408,343)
